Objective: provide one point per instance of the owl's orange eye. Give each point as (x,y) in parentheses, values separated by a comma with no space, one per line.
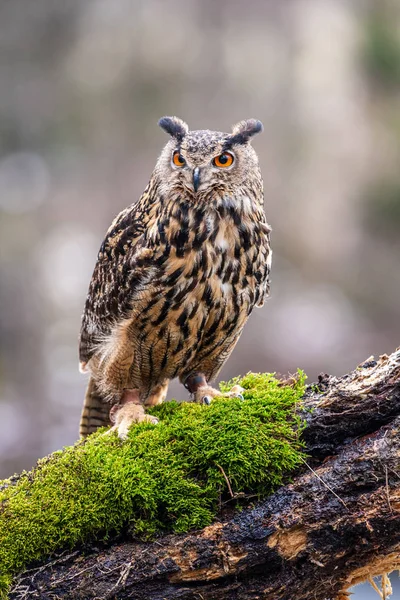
(223,160)
(178,159)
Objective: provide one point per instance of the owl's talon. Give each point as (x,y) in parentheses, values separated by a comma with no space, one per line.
(151,419)
(123,416)
(237,391)
(205,394)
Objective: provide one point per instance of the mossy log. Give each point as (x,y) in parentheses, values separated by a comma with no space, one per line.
(335,525)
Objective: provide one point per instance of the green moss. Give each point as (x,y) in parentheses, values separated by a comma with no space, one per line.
(164,477)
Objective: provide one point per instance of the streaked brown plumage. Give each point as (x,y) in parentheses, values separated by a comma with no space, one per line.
(177,276)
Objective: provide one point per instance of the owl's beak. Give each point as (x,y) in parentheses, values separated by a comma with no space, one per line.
(196,178)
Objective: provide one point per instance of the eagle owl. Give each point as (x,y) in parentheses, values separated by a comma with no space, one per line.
(176,277)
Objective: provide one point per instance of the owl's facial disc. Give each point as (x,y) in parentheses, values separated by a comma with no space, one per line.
(207,163)
(197,170)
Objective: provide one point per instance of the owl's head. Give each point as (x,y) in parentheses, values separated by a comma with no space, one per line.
(206,163)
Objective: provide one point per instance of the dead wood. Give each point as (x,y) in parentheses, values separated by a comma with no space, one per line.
(337,524)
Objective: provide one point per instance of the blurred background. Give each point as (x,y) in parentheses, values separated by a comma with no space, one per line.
(82,85)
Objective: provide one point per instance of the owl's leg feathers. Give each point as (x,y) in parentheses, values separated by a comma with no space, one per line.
(128,411)
(158,394)
(204,393)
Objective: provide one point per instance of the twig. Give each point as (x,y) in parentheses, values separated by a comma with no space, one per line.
(240,496)
(60,559)
(386,586)
(325,484)
(378,591)
(77,574)
(120,583)
(395,473)
(124,574)
(227,480)
(386,590)
(387,490)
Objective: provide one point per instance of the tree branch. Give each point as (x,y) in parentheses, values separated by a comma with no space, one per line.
(335,525)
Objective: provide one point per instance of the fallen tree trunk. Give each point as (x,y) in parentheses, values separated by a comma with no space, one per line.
(337,524)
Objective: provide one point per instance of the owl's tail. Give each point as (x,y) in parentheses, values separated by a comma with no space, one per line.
(95,412)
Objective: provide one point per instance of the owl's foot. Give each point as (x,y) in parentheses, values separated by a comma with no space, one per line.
(130,410)
(204,393)
(235,392)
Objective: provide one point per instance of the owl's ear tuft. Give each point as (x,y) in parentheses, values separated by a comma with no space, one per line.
(174,126)
(244,130)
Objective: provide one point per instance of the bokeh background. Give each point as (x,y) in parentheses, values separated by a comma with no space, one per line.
(82,85)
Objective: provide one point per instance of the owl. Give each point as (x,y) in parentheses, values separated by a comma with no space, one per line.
(176,278)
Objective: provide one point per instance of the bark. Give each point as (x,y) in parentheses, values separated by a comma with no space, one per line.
(335,525)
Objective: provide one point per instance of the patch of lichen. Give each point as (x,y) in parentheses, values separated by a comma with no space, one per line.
(164,477)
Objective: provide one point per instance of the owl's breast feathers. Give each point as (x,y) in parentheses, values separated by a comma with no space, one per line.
(179,276)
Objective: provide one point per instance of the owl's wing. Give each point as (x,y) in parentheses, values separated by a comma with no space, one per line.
(119,269)
(265,262)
